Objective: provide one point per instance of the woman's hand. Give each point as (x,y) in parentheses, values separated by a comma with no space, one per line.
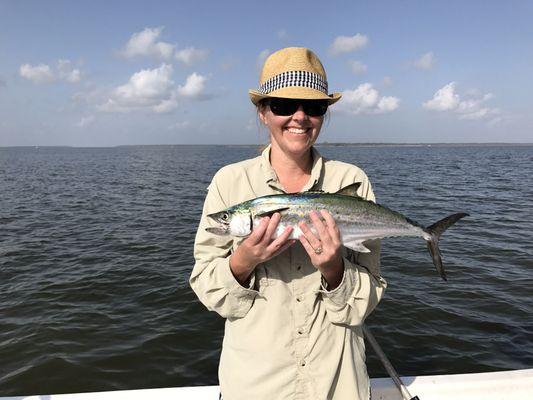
(324,247)
(259,247)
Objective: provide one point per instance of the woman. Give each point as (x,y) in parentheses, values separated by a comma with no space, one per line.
(293,309)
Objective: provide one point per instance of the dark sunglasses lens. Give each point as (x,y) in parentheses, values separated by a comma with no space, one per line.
(315,108)
(285,107)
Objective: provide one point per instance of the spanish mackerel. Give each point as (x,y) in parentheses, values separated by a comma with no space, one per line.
(358,219)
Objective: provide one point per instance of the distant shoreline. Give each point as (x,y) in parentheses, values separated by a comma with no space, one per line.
(321,144)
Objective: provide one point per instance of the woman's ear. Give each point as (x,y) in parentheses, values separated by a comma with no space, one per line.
(262,117)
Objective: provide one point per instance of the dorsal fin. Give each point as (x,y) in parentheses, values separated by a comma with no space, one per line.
(350,190)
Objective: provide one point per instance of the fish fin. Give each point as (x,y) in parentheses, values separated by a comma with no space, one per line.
(350,190)
(270,211)
(357,246)
(435,231)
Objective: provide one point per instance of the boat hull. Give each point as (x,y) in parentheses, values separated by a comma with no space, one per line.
(503,385)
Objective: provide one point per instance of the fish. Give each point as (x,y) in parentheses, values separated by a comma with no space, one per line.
(358,219)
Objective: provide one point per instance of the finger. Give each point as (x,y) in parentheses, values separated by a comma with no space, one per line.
(307,246)
(309,234)
(280,241)
(319,226)
(331,225)
(259,231)
(271,228)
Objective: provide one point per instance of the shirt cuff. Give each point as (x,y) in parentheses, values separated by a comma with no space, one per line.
(243,296)
(342,293)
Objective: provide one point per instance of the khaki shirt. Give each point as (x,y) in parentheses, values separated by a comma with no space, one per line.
(286,336)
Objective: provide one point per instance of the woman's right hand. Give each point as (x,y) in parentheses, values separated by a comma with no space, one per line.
(259,247)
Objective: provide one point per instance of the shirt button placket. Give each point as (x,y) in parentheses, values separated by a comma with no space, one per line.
(299,326)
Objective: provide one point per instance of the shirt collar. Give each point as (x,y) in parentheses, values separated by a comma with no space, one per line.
(272,179)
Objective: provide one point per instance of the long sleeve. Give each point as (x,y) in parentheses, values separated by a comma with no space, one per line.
(211,278)
(360,290)
(362,286)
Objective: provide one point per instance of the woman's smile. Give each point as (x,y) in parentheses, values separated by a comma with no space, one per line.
(297,131)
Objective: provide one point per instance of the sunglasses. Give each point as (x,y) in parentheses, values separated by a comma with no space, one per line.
(286,107)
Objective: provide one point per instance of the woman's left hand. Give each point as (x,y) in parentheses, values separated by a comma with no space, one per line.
(324,247)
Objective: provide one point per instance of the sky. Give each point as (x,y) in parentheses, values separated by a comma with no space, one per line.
(95,73)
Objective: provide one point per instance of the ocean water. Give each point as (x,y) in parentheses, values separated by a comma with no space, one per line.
(96,251)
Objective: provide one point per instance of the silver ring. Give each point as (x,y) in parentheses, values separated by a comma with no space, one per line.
(318,250)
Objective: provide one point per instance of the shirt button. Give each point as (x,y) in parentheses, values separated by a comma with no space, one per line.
(300,332)
(302,363)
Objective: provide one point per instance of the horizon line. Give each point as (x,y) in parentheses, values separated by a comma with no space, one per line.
(316,144)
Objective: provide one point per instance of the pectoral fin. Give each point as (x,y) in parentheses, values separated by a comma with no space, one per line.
(267,212)
(357,246)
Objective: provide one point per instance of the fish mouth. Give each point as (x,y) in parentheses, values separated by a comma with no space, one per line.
(218,230)
(223,225)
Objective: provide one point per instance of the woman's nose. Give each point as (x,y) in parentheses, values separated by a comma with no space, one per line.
(300,114)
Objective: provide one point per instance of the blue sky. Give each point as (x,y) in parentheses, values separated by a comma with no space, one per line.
(171,72)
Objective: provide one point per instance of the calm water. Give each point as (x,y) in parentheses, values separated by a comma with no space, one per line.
(96,251)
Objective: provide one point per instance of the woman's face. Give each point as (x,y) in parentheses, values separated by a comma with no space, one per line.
(293,134)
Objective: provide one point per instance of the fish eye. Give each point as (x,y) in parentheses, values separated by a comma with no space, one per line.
(225,216)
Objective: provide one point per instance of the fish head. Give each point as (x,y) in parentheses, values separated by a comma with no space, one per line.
(234,222)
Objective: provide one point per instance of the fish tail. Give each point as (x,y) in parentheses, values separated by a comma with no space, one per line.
(435,231)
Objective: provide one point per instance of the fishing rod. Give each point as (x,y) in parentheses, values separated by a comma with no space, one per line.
(388,366)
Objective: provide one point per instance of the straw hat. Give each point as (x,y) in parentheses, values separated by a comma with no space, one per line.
(294,73)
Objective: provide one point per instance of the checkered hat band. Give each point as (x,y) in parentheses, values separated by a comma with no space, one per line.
(295,78)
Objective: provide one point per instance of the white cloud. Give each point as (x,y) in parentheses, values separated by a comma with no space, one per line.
(470,108)
(154,90)
(41,73)
(261,58)
(444,99)
(148,88)
(67,72)
(347,44)
(357,67)
(387,104)
(477,114)
(191,55)
(194,86)
(147,84)
(426,61)
(145,44)
(166,106)
(366,100)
